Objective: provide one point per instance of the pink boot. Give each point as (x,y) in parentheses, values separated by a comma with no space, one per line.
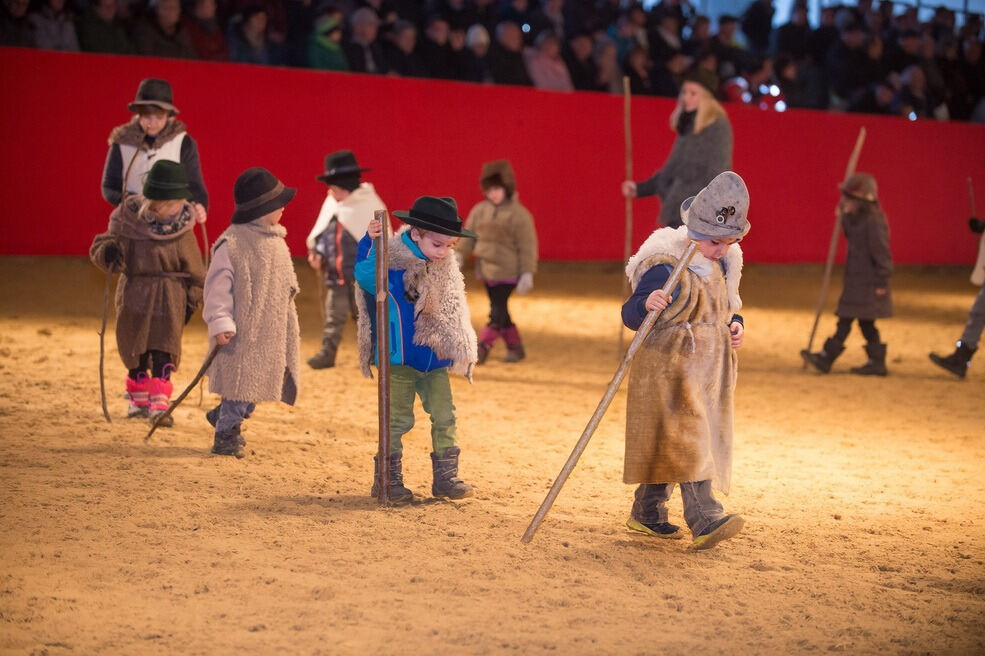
(514,346)
(138,391)
(487,338)
(160,399)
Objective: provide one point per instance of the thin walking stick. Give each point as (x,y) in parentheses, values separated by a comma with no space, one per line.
(610,392)
(833,246)
(628,239)
(383,357)
(174,404)
(205,260)
(102,345)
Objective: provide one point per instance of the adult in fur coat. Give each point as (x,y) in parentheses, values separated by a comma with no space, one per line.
(679,408)
(153,134)
(702,149)
(505,249)
(866,295)
(430,334)
(249,308)
(151,242)
(333,243)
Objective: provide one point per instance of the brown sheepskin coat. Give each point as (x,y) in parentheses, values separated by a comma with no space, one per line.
(679,408)
(868,265)
(162,278)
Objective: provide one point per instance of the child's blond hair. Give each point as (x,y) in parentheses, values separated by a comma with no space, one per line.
(709,110)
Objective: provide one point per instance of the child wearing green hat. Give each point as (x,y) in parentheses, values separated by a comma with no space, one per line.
(151,243)
(679,408)
(430,334)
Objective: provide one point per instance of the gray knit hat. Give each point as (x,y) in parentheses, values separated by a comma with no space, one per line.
(720,210)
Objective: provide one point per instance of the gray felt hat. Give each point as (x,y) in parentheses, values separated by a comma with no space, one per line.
(719,210)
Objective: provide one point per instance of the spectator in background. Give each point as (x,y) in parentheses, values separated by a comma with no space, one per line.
(911,99)
(680,9)
(519,12)
(793,87)
(15,29)
(488,14)
(434,50)
(791,38)
(477,54)
(248,42)
(459,14)
(205,33)
(159,33)
(506,56)
(665,40)
(823,38)
(700,39)
(459,56)
(400,52)
(54,27)
(669,76)
(276,30)
(623,35)
(101,31)
(757,24)
(363,51)
(552,16)
(876,99)
(905,52)
(581,66)
(727,52)
(639,69)
(846,66)
(544,64)
(607,63)
(325,42)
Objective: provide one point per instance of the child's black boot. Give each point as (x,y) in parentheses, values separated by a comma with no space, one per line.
(324,359)
(958,362)
(398,493)
(229,443)
(823,359)
(446,481)
(876,366)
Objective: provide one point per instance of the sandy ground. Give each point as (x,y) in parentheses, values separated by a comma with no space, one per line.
(865,528)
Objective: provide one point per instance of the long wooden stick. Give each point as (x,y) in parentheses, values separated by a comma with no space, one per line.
(102,345)
(383,357)
(610,392)
(174,404)
(206,261)
(833,245)
(628,239)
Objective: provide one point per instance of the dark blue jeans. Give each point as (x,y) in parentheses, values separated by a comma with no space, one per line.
(701,508)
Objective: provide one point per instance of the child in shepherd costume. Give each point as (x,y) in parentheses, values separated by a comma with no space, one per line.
(679,408)
(151,242)
(430,334)
(249,308)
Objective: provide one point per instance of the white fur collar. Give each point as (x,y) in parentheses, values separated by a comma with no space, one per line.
(354,213)
(672,242)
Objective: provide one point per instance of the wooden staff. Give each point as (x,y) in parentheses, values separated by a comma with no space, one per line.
(102,345)
(383,356)
(205,261)
(628,239)
(593,423)
(833,246)
(174,404)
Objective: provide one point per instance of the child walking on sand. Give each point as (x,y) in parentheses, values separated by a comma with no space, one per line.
(679,408)
(249,308)
(866,294)
(151,242)
(430,334)
(506,250)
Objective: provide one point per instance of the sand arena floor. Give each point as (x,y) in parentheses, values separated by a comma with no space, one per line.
(865,527)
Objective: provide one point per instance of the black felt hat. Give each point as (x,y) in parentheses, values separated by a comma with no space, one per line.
(257,192)
(342,165)
(435,214)
(166,180)
(153,92)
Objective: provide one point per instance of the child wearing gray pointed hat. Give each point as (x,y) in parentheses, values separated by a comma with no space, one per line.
(431,334)
(679,408)
(249,309)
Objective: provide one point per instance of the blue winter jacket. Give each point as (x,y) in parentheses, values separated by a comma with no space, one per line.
(403,350)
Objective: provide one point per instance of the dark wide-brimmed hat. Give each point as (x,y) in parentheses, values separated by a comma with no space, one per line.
(860,186)
(153,92)
(341,164)
(257,192)
(704,78)
(166,180)
(435,214)
(720,210)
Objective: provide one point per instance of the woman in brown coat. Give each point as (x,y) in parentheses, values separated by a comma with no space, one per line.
(866,295)
(151,242)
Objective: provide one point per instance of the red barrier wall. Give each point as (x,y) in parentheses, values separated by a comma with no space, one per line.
(431,137)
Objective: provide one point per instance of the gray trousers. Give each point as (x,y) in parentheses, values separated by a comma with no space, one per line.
(339,306)
(976,321)
(232,414)
(701,508)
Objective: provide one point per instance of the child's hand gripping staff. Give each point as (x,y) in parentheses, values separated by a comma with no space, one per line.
(656,303)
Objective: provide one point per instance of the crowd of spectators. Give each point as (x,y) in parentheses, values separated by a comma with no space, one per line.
(872,57)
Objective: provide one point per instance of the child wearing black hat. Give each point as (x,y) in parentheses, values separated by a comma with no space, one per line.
(431,333)
(249,308)
(151,242)
(866,295)
(682,381)
(332,244)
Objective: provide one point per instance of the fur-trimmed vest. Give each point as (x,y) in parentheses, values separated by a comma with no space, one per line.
(679,407)
(262,362)
(133,148)
(430,324)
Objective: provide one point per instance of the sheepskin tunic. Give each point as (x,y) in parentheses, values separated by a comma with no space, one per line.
(679,409)
(868,265)
(161,280)
(262,362)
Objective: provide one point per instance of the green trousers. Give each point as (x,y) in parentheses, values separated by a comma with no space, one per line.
(434,389)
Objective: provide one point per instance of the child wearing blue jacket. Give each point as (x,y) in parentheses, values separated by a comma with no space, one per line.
(430,334)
